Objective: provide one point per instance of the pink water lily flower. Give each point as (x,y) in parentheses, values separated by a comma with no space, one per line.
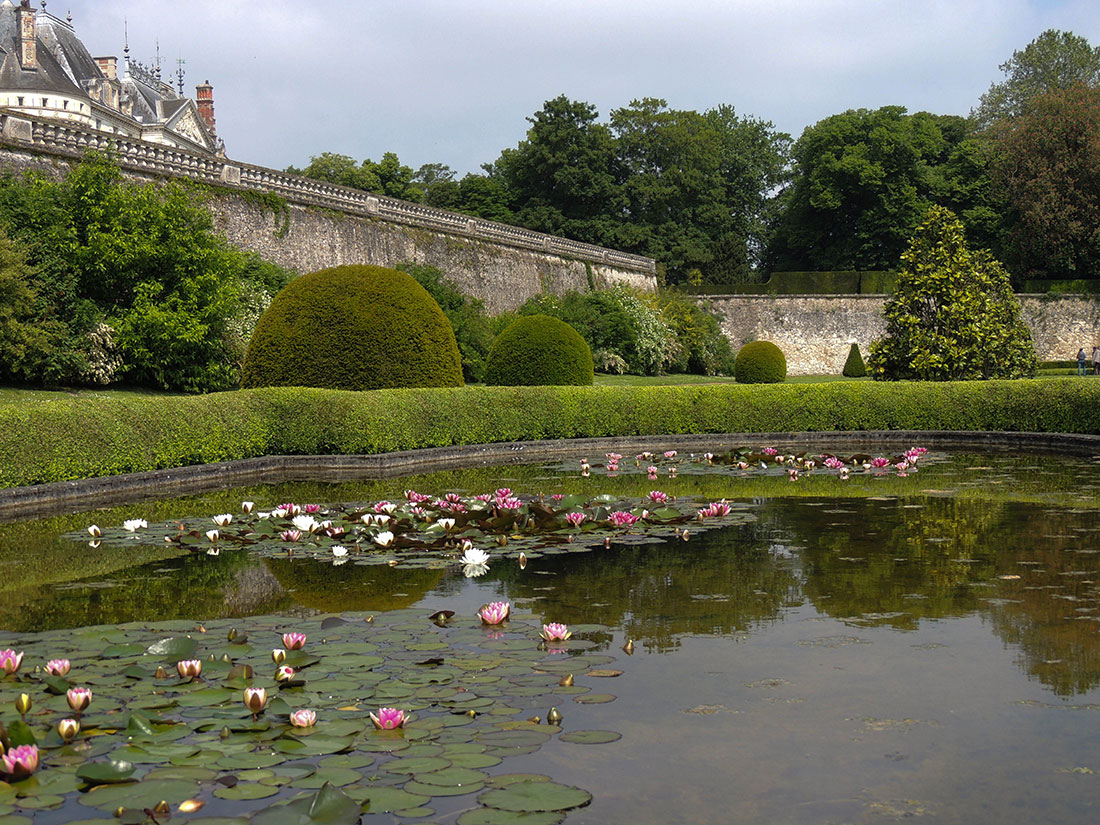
(294,641)
(388,719)
(670,454)
(303,718)
(21,761)
(291,535)
(833,463)
(313,509)
(555,632)
(284,673)
(769,451)
(189,668)
(658,497)
(575,519)
(79,698)
(494,612)
(621,518)
(58,667)
(879,463)
(10,660)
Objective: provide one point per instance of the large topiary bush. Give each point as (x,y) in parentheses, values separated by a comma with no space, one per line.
(854,366)
(353,328)
(953,315)
(539,350)
(760,362)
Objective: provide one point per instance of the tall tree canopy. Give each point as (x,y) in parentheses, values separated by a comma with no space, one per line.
(1053,61)
(1046,166)
(864,179)
(387,177)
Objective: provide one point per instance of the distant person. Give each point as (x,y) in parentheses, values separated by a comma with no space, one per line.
(1096,360)
(1081,359)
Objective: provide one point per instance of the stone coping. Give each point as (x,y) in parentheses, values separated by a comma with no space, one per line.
(41,500)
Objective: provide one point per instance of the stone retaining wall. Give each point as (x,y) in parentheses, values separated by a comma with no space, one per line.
(815,332)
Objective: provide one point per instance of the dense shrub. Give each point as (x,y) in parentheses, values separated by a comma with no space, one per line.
(353,328)
(854,366)
(698,344)
(87,436)
(466,314)
(539,350)
(760,362)
(139,259)
(953,315)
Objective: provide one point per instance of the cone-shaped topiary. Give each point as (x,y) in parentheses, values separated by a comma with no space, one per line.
(854,366)
(760,362)
(353,328)
(953,315)
(539,350)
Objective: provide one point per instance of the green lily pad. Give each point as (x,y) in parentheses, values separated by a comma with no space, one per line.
(414,764)
(591,737)
(174,649)
(595,698)
(385,800)
(451,776)
(146,794)
(108,772)
(246,790)
(536,796)
(329,806)
(493,816)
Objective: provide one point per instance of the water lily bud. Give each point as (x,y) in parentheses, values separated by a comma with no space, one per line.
(94,531)
(23,703)
(225,733)
(255,699)
(189,806)
(522,561)
(161,673)
(246,507)
(303,718)
(58,667)
(67,729)
(232,634)
(189,668)
(79,698)
(566,680)
(162,807)
(553,716)
(278,655)
(294,641)
(212,535)
(628,648)
(534,720)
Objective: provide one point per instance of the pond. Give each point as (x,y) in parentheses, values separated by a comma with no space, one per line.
(893,645)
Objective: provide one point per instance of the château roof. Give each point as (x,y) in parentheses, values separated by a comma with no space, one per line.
(63,61)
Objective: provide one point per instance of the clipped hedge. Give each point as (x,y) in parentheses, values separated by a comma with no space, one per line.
(760,362)
(539,350)
(82,437)
(353,328)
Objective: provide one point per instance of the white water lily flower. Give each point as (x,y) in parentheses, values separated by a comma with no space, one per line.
(246,506)
(338,550)
(306,524)
(264,515)
(367,519)
(214,551)
(388,508)
(384,539)
(94,531)
(446,523)
(474,555)
(213,535)
(472,571)
(134,524)
(223,520)
(382,520)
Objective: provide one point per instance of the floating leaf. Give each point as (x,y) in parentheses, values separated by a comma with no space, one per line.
(174,649)
(110,771)
(591,737)
(536,796)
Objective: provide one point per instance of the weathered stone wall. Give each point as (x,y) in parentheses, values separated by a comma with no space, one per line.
(305,224)
(306,239)
(815,332)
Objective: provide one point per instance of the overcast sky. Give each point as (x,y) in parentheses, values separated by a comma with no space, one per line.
(452,81)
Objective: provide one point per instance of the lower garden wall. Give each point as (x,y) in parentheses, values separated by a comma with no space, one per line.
(815,332)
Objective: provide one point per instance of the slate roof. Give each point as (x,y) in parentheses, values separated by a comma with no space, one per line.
(63,61)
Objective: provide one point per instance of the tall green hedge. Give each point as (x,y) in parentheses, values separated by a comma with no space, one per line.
(81,437)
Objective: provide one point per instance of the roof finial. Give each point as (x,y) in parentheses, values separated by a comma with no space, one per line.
(126,39)
(43,5)
(179,73)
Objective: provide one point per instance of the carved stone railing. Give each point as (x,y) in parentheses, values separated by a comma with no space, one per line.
(43,135)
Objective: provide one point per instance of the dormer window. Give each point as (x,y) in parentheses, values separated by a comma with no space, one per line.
(45,102)
(20,99)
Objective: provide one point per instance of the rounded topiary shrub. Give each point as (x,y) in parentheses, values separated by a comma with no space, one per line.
(854,366)
(353,328)
(539,350)
(760,362)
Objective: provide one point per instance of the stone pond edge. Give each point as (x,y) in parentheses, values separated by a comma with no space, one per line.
(72,496)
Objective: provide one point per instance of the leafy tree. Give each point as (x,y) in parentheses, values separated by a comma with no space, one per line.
(24,340)
(864,179)
(953,315)
(562,175)
(1054,61)
(1046,167)
(466,314)
(388,177)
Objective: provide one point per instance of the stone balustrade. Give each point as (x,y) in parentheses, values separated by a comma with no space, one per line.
(50,137)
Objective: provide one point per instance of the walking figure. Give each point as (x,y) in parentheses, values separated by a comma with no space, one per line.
(1081,358)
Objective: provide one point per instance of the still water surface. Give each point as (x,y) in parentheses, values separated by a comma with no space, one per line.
(926,647)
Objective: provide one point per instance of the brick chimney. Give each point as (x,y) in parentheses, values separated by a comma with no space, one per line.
(204,97)
(109,67)
(28,56)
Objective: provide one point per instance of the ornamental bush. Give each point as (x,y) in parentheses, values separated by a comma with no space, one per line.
(953,315)
(539,350)
(760,362)
(353,328)
(854,366)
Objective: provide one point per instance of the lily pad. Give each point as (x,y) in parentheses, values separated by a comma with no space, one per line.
(536,796)
(591,737)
